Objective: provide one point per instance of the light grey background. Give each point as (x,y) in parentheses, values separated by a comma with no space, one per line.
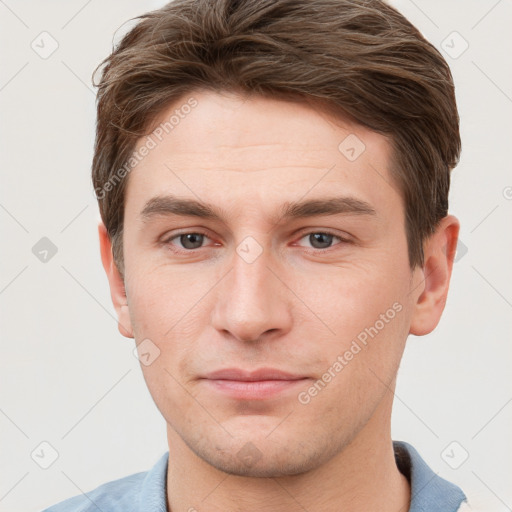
(70,379)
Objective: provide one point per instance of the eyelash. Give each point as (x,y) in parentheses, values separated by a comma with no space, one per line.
(342,240)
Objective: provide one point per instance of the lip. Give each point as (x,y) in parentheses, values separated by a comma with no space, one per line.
(257,384)
(252,376)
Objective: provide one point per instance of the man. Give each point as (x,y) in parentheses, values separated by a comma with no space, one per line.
(273,181)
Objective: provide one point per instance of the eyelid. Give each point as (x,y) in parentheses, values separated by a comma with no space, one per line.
(342,239)
(327,231)
(166,239)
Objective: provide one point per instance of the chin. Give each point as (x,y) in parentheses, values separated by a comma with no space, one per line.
(261,464)
(255,454)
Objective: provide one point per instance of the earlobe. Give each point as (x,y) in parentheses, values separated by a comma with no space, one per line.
(439,253)
(116,283)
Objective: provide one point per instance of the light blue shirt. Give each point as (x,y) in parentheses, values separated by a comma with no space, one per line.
(145,492)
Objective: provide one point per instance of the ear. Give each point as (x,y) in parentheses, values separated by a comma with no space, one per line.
(117,289)
(439,253)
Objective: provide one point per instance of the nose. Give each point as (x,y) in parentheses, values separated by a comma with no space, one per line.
(252,303)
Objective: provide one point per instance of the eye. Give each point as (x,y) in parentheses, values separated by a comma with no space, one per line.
(193,240)
(187,241)
(322,239)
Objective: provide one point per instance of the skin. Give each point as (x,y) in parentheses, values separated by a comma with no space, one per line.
(297,307)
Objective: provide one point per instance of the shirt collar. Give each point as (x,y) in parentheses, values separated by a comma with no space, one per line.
(152,497)
(428,490)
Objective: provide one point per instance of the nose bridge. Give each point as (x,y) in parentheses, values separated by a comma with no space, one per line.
(250,301)
(251,275)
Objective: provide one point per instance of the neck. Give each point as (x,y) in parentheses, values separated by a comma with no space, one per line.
(362,476)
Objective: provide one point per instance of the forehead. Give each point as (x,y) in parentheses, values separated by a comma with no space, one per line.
(261,151)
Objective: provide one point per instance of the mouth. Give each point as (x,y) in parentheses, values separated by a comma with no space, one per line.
(258,384)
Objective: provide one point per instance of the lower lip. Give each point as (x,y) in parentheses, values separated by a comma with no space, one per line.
(256,390)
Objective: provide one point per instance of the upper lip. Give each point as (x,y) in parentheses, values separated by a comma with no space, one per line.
(252,375)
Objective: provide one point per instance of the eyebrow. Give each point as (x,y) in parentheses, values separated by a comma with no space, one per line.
(171,205)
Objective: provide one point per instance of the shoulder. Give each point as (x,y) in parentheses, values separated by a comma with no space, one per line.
(431,492)
(109,497)
(479,501)
(428,490)
(122,495)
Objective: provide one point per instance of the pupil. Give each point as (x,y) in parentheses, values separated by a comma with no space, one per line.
(190,239)
(320,238)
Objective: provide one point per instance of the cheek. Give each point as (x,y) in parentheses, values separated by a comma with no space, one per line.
(350,300)
(166,310)
(356,370)
(167,307)
(164,301)
(369,313)
(171,397)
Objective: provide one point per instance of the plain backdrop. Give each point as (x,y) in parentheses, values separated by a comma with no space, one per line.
(69,379)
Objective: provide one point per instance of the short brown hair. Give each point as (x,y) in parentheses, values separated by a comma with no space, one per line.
(357,57)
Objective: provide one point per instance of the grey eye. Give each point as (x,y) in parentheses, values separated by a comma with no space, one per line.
(320,240)
(191,240)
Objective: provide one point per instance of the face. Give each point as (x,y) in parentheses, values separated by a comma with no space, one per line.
(273,316)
